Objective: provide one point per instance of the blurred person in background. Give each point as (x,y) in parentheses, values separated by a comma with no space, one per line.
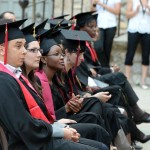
(107,23)
(8,15)
(138,13)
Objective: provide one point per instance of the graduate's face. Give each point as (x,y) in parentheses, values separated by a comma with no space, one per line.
(73,57)
(90,28)
(33,56)
(16,52)
(55,58)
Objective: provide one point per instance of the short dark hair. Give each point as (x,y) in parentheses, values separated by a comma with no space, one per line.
(3,14)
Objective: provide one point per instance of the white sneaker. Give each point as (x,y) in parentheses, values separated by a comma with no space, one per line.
(144,87)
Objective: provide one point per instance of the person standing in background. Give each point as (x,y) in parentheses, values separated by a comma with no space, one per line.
(8,15)
(107,23)
(138,13)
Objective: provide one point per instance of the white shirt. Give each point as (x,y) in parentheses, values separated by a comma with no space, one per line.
(139,23)
(16,71)
(57,127)
(105,18)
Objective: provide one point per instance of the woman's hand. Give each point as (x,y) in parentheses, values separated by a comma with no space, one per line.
(103,96)
(86,95)
(94,73)
(73,105)
(115,68)
(71,134)
(67,121)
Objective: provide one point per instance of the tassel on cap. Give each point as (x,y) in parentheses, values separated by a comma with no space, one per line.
(73,23)
(6,44)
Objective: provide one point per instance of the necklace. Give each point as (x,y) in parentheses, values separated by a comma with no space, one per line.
(105,2)
(143,9)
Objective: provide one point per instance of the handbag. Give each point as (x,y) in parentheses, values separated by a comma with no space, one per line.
(121,141)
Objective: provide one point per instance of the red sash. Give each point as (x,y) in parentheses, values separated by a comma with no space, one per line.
(46,93)
(92,52)
(34,109)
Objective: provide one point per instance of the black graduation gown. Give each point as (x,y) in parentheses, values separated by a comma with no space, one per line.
(96,65)
(110,113)
(93,105)
(116,78)
(82,116)
(22,130)
(86,130)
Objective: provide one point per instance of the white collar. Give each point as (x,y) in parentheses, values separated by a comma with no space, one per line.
(16,71)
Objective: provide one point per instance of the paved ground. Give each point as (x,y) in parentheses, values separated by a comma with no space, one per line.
(144,102)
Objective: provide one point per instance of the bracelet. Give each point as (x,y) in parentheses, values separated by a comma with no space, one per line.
(94,5)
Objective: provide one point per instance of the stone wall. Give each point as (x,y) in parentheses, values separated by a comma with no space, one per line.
(68,6)
(118,57)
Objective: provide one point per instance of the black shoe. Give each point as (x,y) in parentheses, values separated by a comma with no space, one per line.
(145,118)
(137,147)
(144,139)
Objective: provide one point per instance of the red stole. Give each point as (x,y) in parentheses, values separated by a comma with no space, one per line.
(34,109)
(46,92)
(92,52)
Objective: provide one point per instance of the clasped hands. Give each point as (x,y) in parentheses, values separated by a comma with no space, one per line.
(74,104)
(71,134)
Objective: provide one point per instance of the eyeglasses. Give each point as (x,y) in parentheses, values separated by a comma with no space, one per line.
(35,50)
(57,54)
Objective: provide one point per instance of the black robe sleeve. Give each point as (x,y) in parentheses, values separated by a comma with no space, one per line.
(96,65)
(59,104)
(19,125)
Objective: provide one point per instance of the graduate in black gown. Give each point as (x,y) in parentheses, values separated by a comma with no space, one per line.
(26,126)
(71,82)
(92,67)
(52,61)
(31,62)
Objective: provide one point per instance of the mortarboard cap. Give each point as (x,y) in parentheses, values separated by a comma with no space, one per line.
(47,41)
(74,39)
(58,23)
(13,30)
(28,33)
(84,18)
(40,28)
(61,17)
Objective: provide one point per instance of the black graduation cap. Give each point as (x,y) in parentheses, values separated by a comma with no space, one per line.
(13,30)
(84,17)
(40,28)
(28,33)
(47,41)
(10,31)
(75,39)
(61,17)
(58,23)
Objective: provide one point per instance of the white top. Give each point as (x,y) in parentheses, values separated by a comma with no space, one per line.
(105,18)
(16,71)
(139,23)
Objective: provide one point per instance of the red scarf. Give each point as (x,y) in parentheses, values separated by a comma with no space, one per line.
(34,109)
(92,52)
(46,93)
